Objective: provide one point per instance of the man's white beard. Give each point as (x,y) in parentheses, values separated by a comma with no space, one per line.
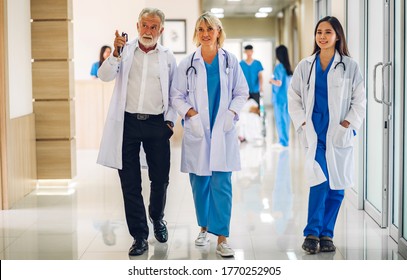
(148,43)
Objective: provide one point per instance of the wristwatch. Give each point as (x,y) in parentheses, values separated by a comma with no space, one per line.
(170,123)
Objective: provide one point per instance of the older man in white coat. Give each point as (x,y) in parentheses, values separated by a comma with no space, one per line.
(140,113)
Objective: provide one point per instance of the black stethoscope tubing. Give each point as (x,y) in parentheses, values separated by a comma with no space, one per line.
(313,62)
(192,67)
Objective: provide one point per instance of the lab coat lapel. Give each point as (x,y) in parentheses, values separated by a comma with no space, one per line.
(311,86)
(201,93)
(164,68)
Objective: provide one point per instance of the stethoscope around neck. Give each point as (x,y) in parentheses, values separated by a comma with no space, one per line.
(336,65)
(194,71)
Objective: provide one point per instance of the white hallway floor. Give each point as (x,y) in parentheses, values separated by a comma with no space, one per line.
(86,220)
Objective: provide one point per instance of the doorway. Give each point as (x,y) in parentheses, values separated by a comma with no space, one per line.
(263,51)
(384,197)
(378,123)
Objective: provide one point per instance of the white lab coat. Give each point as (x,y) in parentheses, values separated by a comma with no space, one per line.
(202,154)
(110,153)
(346,101)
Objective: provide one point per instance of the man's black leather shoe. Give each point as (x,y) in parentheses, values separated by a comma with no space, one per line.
(160,231)
(139,247)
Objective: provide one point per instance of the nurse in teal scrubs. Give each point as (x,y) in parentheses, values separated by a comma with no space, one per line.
(280,82)
(208,91)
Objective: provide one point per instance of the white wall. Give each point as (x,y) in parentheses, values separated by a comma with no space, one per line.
(19,58)
(95,22)
(180,9)
(306,26)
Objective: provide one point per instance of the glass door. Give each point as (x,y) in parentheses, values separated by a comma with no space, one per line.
(378,111)
(355,29)
(323,8)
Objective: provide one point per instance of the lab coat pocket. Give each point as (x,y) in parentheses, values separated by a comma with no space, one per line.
(344,87)
(343,137)
(303,136)
(344,165)
(196,126)
(229,123)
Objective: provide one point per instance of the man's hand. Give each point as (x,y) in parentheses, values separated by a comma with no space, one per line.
(119,42)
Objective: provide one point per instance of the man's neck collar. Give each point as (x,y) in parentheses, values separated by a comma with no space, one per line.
(145,49)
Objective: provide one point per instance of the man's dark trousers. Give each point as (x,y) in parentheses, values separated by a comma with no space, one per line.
(153,132)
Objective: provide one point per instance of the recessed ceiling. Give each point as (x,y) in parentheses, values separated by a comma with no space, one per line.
(245,8)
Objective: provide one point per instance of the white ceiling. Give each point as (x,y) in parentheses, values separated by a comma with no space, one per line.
(246,8)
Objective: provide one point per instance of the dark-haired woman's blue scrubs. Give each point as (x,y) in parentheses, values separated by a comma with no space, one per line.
(323,203)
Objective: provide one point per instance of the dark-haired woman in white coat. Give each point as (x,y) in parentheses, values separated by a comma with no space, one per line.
(327,106)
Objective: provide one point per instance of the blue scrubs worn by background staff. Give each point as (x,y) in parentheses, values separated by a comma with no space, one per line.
(280,103)
(252,69)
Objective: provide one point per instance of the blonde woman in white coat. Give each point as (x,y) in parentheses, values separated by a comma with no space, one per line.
(209,90)
(327,105)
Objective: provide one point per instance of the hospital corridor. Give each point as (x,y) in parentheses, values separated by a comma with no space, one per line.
(86,219)
(58,203)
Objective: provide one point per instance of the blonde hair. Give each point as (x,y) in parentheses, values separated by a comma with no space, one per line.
(212,21)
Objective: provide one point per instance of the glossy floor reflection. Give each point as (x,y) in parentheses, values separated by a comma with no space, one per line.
(84,218)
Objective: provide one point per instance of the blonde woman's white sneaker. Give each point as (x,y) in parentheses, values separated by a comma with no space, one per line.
(224,250)
(202,239)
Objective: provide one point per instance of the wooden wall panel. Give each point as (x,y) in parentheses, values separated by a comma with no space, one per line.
(53,88)
(56,159)
(51,9)
(53,79)
(91,105)
(52,40)
(22,171)
(54,119)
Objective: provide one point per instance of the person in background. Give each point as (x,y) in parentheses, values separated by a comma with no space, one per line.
(249,126)
(280,82)
(253,71)
(105,52)
(327,103)
(140,113)
(209,98)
